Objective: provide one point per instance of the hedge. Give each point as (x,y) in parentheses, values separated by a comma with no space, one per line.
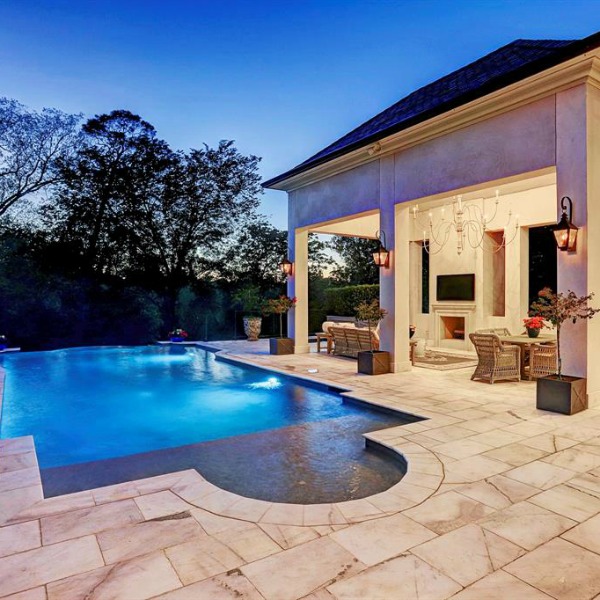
(342,301)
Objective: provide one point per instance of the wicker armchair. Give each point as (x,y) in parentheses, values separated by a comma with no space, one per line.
(543,360)
(502,331)
(497,361)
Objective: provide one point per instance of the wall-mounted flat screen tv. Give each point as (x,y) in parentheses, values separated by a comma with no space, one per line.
(456,287)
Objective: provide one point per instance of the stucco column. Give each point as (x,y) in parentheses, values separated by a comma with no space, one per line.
(298,286)
(394,280)
(577,159)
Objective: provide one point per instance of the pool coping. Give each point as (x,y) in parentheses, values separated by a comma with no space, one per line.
(423,477)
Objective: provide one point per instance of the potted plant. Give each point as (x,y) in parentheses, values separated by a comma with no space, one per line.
(178,335)
(533,326)
(372,362)
(561,393)
(251,302)
(280,306)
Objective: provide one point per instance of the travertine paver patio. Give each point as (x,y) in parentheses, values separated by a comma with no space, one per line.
(500,501)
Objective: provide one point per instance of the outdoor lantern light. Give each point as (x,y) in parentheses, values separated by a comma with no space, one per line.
(565,232)
(287,267)
(381,256)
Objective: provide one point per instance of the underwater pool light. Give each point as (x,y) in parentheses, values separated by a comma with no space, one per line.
(272,383)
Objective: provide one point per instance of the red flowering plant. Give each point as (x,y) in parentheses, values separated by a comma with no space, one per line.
(534,323)
(178,333)
(279,306)
(559,308)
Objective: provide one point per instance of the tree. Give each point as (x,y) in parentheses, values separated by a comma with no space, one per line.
(252,256)
(357,256)
(31,144)
(559,308)
(206,195)
(120,165)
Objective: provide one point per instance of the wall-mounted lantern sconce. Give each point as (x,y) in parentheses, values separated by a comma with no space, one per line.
(287,267)
(565,232)
(381,256)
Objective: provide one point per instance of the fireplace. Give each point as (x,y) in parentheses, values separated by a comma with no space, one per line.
(453,328)
(453,321)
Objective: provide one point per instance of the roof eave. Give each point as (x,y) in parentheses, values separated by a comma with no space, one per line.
(576,48)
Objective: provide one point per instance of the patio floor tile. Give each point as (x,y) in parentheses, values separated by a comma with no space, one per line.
(202,558)
(587,534)
(448,511)
(497,491)
(137,579)
(575,459)
(516,454)
(549,442)
(288,536)
(540,474)
(375,541)
(473,469)
(251,542)
(18,538)
(462,448)
(85,521)
(30,569)
(38,593)
(569,502)
(468,554)
(128,542)
(229,586)
(160,504)
(501,586)
(560,569)
(527,525)
(289,576)
(403,577)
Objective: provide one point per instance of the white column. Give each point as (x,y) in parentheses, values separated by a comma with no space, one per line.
(394,280)
(577,159)
(298,286)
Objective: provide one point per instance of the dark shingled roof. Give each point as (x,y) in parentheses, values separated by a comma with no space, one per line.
(496,70)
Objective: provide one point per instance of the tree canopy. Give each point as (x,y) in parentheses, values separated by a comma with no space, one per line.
(31,143)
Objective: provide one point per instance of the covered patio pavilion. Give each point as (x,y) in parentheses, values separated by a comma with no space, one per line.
(523,119)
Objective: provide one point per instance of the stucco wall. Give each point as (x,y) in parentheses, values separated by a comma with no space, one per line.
(519,141)
(348,193)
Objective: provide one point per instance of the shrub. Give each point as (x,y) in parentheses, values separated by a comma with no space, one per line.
(342,301)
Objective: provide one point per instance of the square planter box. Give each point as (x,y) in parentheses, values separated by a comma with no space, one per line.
(281,346)
(566,396)
(374,363)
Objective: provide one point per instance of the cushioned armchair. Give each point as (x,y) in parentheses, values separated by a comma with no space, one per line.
(497,361)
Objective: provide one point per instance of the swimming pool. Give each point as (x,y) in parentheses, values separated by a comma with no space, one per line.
(91,405)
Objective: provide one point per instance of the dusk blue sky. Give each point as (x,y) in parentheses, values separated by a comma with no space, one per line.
(283,79)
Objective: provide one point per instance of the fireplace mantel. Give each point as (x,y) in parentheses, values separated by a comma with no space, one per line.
(464,310)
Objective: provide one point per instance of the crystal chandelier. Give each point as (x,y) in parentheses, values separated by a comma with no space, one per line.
(470,222)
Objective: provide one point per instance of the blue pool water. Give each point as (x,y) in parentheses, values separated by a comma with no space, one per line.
(93,404)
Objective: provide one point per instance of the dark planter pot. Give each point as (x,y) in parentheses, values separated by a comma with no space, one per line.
(374,363)
(533,333)
(281,345)
(177,339)
(566,396)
